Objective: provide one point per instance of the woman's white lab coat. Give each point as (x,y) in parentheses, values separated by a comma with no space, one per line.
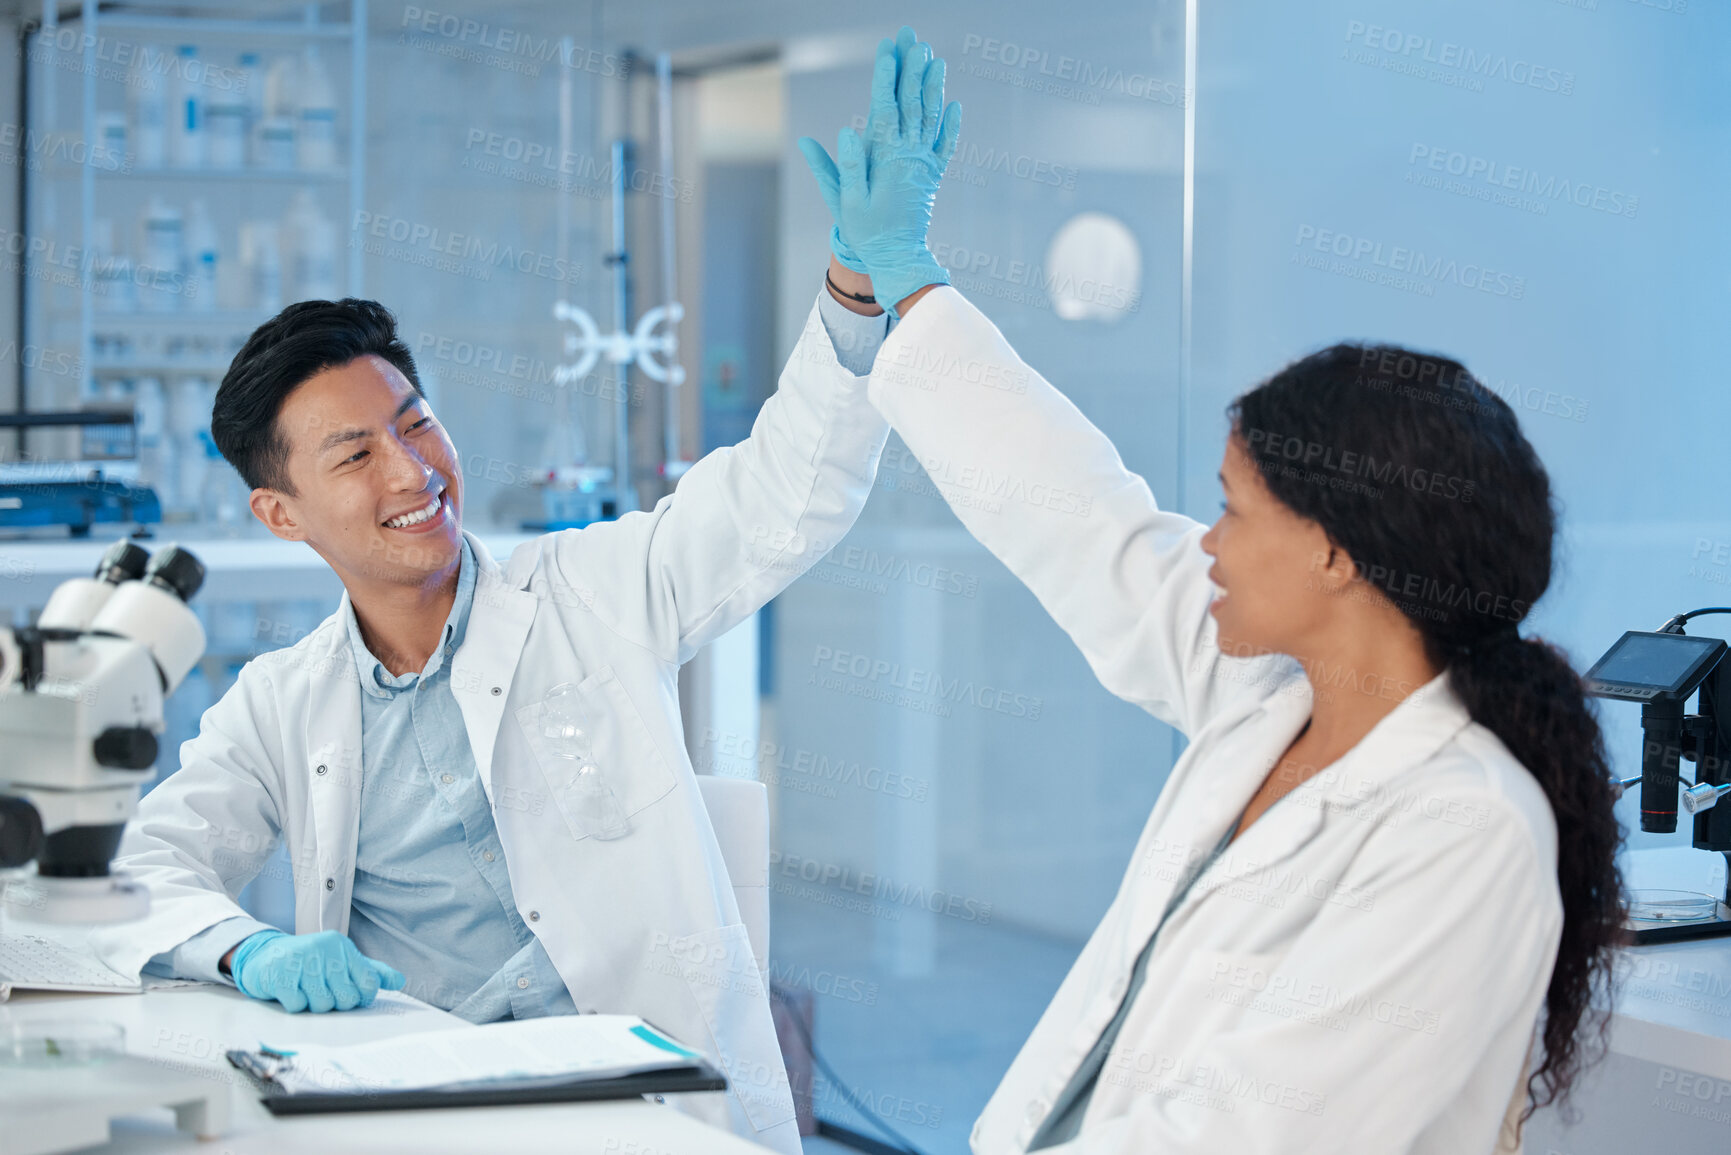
(646,923)
(1362,970)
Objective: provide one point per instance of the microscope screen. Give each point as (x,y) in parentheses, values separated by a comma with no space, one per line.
(1660,661)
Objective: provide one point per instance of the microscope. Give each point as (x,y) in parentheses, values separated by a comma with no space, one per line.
(1661,670)
(81,696)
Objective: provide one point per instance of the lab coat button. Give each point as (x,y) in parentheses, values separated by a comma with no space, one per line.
(534,916)
(496,691)
(320,770)
(330,884)
(522,984)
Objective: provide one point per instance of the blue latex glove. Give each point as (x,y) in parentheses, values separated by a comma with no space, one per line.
(310,972)
(882,191)
(884,77)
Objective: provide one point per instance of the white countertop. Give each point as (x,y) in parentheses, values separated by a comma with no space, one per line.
(1673,1000)
(236,568)
(187,1030)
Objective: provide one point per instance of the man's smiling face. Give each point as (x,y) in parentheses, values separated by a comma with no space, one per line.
(376,487)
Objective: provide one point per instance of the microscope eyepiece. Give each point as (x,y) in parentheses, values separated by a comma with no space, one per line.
(20,831)
(123,561)
(175,570)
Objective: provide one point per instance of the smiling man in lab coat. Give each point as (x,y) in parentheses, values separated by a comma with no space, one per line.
(478,770)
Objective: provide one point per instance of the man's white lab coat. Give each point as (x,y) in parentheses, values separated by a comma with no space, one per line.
(1362,970)
(646,923)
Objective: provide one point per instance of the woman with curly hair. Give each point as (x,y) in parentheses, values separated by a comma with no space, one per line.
(1374,902)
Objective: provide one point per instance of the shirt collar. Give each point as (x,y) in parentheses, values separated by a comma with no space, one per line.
(1423,723)
(380,682)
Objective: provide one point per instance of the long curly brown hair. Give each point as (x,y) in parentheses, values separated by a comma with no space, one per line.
(1392,405)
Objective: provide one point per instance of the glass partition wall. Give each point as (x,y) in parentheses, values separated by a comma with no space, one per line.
(956,795)
(953,795)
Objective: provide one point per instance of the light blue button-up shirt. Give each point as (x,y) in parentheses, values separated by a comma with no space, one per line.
(432,894)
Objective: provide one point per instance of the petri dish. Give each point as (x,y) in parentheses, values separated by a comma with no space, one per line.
(1671,906)
(53,1043)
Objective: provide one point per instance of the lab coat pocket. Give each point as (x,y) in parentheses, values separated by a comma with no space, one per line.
(722,973)
(600,763)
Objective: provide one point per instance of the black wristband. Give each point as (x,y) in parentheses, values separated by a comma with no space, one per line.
(862,298)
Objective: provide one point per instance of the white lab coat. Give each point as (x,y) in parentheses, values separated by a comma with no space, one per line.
(644,924)
(1362,971)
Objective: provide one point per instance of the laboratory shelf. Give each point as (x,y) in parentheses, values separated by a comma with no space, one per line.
(169,173)
(214,318)
(162,368)
(154,336)
(177,26)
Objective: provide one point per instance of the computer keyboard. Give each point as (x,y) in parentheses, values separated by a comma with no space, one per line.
(29,961)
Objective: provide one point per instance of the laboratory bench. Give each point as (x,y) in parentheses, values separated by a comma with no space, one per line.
(254,587)
(1665,1085)
(182,1033)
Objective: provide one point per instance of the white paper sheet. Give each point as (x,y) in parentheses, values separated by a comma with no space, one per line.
(557,1047)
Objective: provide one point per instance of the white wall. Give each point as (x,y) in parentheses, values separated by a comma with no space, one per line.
(1617,345)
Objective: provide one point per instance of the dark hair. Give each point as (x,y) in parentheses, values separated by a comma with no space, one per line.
(1422,475)
(300,342)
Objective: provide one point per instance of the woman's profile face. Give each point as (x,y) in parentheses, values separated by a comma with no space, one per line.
(1269,566)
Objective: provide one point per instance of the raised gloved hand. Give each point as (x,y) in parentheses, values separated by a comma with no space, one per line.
(883,73)
(310,972)
(882,191)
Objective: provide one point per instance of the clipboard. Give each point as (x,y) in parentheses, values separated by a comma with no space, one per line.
(696,1076)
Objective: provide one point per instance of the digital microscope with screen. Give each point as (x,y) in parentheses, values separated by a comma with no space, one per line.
(1662,670)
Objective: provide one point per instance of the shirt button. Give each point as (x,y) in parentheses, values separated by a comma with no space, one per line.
(522,984)
(446,778)
(534,916)
(487,854)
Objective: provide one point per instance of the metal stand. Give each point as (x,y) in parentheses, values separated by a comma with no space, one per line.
(651,344)
(1704,739)
(65,1109)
